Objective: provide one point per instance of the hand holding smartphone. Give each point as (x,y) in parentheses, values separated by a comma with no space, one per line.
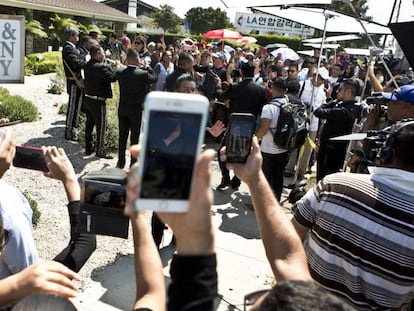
(239,137)
(173,131)
(31,158)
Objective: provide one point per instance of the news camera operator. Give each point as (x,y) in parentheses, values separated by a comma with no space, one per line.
(338,118)
(360,244)
(98,78)
(383,109)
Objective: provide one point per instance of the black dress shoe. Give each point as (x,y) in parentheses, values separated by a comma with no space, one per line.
(223,185)
(71,138)
(235,183)
(104,156)
(120,164)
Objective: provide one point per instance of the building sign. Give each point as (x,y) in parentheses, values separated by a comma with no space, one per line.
(248,22)
(12,39)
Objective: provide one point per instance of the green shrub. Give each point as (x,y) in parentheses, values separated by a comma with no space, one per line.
(55,88)
(17,108)
(33,205)
(63,109)
(40,63)
(4,93)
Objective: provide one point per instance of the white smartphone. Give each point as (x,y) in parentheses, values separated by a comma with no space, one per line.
(173,132)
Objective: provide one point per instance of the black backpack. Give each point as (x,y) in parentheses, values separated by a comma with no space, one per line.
(292,125)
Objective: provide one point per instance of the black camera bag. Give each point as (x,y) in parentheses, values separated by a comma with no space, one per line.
(104,220)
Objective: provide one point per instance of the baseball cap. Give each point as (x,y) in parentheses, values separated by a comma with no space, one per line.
(249,54)
(405,93)
(219,55)
(323,73)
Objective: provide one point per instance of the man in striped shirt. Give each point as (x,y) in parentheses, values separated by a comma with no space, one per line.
(361,228)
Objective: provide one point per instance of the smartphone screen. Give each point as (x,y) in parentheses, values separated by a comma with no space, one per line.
(171,152)
(239,137)
(30,158)
(173,130)
(105,194)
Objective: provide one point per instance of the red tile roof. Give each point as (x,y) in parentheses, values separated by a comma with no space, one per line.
(86,8)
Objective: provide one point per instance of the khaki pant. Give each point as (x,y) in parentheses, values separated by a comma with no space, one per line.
(302,166)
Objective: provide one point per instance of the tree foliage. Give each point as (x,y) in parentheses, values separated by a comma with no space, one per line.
(166,19)
(202,20)
(361,7)
(35,28)
(58,26)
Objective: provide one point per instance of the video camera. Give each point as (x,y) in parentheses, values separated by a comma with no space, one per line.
(373,144)
(376,99)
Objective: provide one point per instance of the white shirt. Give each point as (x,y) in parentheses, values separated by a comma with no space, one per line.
(16,215)
(319,97)
(271,112)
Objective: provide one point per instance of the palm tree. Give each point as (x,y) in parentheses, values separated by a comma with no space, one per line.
(58,26)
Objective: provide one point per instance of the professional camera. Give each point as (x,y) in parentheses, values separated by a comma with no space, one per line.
(378,100)
(372,145)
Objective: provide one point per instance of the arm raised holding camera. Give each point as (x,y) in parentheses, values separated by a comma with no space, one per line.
(81,246)
(7,151)
(282,244)
(193,268)
(149,278)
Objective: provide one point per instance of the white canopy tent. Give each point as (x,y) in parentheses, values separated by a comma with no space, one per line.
(306,52)
(315,18)
(333,39)
(363,52)
(325,46)
(245,3)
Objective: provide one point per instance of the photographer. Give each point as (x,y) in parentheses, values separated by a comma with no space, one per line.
(338,118)
(360,244)
(16,216)
(399,107)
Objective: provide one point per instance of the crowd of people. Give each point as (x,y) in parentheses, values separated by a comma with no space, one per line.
(350,243)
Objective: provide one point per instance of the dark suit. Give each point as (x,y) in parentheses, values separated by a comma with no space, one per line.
(98,80)
(339,120)
(245,96)
(73,63)
(134,85)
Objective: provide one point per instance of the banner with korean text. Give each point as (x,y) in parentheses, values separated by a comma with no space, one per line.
(12,42)
(263,23)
